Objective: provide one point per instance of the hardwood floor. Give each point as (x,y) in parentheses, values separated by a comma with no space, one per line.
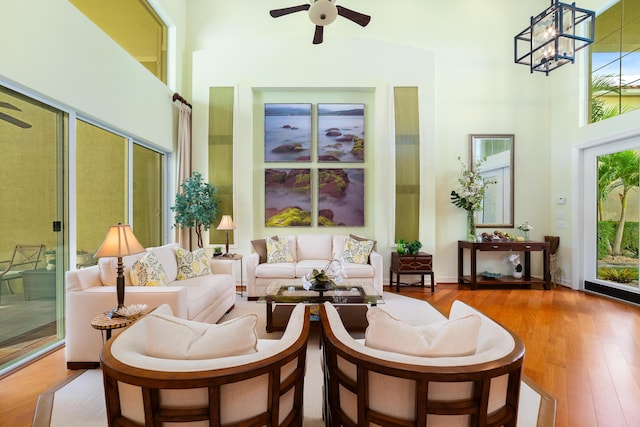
(581,348)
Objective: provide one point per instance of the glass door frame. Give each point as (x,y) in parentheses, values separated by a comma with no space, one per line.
(587,240)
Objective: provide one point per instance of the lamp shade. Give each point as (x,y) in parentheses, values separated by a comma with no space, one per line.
(226,223)
(119,241)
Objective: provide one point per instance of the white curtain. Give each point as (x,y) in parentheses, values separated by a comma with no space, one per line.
(183,236)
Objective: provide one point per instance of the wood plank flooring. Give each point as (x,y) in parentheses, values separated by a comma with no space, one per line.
(581,348)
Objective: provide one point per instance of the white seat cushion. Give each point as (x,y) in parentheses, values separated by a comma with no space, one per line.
(285,270)
(304,267)
(358,271)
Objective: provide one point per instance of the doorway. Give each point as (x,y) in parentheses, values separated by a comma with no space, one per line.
(612,216)
(32,241)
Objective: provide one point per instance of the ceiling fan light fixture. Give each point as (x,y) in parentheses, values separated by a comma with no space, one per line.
(323,12)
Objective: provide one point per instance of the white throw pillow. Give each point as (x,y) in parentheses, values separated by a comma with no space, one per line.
(278,251)
(169,337)
(148,271)
(192,264)
(357,251)
(453,337)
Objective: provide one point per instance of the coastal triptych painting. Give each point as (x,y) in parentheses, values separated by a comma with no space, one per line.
(287,132)
(341,133)
(289,139)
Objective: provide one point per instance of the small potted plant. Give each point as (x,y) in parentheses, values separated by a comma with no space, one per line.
(412,248)
(517,266)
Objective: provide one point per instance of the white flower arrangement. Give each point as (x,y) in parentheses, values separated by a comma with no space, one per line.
(514,259)
(525,227)
(471,187)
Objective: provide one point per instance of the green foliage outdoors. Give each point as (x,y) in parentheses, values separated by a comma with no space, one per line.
(619,275)
(606,235)
(196,205)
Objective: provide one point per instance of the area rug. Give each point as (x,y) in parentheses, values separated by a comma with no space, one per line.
(79,401)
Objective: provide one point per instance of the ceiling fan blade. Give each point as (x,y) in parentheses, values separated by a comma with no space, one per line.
(9,106)
(14,121)
(276,13)
(357,17)
(317,37)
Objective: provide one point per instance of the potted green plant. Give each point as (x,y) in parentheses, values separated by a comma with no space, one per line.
(413,248)
(196,205)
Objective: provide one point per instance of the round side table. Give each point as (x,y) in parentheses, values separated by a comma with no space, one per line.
(103,322)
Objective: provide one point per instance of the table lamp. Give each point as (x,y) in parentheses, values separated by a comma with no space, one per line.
(226,223)
(119,242)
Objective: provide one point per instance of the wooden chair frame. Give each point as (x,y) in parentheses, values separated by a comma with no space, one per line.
(152,382)
(480,375)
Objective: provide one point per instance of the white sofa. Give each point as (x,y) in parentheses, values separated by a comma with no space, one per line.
(310,251)
(365,384)
(259,388)
(91,291)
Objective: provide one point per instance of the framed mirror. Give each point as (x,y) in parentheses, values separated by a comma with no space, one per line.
(496,153)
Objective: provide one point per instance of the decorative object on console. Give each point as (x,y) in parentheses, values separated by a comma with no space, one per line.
(119,242)
(196,205)
(517,267)
(554,36)
(470,192)
(226,224)
(525,227)
(321,13)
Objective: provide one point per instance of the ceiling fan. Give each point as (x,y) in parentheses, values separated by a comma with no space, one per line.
(322,13)
(12,120)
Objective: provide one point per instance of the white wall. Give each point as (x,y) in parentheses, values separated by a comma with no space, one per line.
(460,55)
(49,48)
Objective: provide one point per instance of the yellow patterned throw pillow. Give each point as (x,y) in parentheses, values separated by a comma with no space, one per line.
(357,251)
(278,251)
(192,264)
(148,271)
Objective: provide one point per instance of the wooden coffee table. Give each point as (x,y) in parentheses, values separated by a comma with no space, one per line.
(351,300)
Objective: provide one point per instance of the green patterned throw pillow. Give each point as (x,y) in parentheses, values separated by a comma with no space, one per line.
(192,264)
(148,271)
(357,251)
(278,251)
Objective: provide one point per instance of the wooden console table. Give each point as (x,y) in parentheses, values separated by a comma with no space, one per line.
(475,280)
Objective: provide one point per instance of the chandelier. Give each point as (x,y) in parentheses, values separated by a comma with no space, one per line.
(554,37)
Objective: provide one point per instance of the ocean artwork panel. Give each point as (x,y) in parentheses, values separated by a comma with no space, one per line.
(341,133)
(287,132)
(341,197)
(287,197)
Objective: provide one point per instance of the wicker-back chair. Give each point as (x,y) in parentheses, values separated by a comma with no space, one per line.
(364,386)
(263,388)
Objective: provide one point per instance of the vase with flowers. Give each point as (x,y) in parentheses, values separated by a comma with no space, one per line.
(525,227)
(517,266)
(469,193)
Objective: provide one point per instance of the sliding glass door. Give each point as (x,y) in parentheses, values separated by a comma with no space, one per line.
(612,235)
(32,240)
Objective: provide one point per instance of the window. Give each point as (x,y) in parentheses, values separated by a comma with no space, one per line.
(135,26)
(615,61)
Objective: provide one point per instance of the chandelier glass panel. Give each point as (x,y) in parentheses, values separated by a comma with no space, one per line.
(554,36)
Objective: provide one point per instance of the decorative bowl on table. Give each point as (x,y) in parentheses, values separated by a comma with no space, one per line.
(132,310)
(490,275)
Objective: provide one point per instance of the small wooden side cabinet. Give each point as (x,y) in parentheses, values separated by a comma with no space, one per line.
(474,279)
(417,264)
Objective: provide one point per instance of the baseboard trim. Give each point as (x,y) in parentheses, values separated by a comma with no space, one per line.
(609,291)
(82,365)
